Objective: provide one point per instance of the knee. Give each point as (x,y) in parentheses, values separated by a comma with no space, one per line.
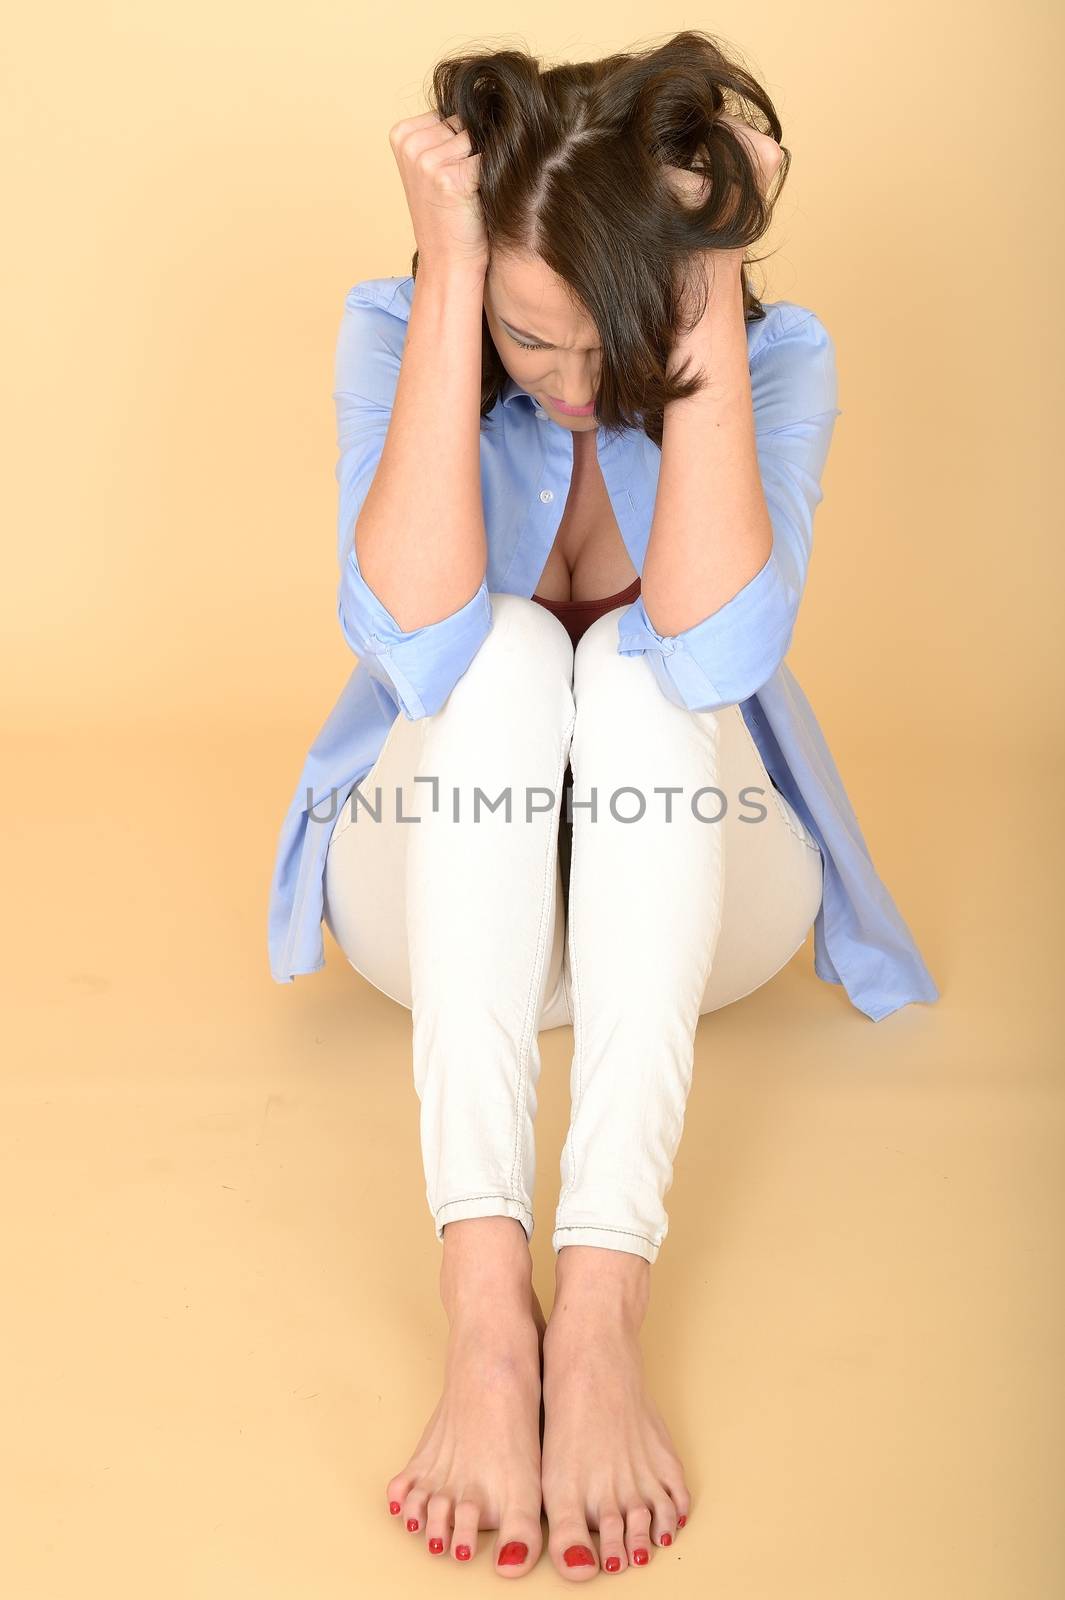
(524,661)
(599,664)
(599,641)
(526,646)
(529,627)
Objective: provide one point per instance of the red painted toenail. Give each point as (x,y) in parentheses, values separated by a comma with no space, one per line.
(612,1564)
(578,1555)
(462,1552)
(512,1554)
(435,1546)
(412,1524)
(640,1558)
(394,1507)
(667,1538)
(681,1521)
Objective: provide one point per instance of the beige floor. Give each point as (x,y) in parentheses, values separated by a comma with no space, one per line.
(221,1334)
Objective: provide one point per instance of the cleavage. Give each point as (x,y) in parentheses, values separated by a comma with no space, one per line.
(588,560)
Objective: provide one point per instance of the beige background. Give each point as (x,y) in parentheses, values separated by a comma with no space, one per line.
(221,1335)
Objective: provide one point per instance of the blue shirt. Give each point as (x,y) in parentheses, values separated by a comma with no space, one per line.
(735,655)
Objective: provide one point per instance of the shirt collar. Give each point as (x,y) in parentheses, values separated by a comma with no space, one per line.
(512,391)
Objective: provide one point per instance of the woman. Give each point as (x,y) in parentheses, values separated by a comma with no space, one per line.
(578,467)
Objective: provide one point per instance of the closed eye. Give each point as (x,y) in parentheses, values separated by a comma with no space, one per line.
(527,344)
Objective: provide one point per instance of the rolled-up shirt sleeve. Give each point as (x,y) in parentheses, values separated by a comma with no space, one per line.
(729,655)
(417,668)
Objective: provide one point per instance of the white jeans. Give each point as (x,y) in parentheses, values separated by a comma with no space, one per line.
(466,919)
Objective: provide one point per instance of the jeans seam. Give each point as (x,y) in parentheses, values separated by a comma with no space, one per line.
(715,932)
(531,1009)
(714,939)
(602,1227)
(566,987)
(462,1200)
(575,1011)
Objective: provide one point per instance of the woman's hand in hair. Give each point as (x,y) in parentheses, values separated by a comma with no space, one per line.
(440,177)
(765,155)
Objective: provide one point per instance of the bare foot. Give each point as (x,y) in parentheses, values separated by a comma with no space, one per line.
(608,1460)
(477,1464)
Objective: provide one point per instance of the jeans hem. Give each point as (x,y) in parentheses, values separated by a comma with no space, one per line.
(483,1205)
(635,1244)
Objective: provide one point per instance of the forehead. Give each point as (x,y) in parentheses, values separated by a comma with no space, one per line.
(532,298)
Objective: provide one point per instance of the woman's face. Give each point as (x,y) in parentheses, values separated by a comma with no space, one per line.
(526,304)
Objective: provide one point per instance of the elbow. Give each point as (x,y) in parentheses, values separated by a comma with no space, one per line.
(698,684)
(726,657)
(376,656)
(417,667)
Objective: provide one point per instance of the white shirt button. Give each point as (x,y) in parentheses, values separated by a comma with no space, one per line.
(546,495)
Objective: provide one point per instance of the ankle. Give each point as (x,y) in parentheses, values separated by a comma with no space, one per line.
(486,1268)
(591,1281)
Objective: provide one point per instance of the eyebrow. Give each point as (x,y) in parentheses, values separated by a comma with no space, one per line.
(521,333)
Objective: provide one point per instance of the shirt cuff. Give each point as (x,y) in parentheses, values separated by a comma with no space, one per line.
(729,655)
(421,664)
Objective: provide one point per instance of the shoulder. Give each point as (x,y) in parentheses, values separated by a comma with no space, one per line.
(390,295)
(371,336)
(792,359)
(785,323)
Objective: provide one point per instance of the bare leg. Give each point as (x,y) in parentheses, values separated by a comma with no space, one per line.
(609,1462)
(477,1464)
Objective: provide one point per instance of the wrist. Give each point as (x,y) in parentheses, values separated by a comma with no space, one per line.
(724,307)
(452,275)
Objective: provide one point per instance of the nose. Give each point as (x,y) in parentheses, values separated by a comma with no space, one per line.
(577,379)
(576,392)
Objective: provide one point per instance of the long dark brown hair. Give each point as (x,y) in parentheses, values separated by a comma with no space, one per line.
(571,170)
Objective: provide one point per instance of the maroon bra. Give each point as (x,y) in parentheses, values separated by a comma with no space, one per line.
(578,615)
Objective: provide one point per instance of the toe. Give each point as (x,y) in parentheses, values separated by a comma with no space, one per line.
(413,1512)
(664,1521)
(612,1556)
(464,1538)
(638,1535)
(397,1490)
(677,1489)
(519,1544)
(682,1506)
(438,1524)
(571,1546)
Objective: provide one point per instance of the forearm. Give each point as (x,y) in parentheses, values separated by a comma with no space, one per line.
(420,538)
(711,532)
